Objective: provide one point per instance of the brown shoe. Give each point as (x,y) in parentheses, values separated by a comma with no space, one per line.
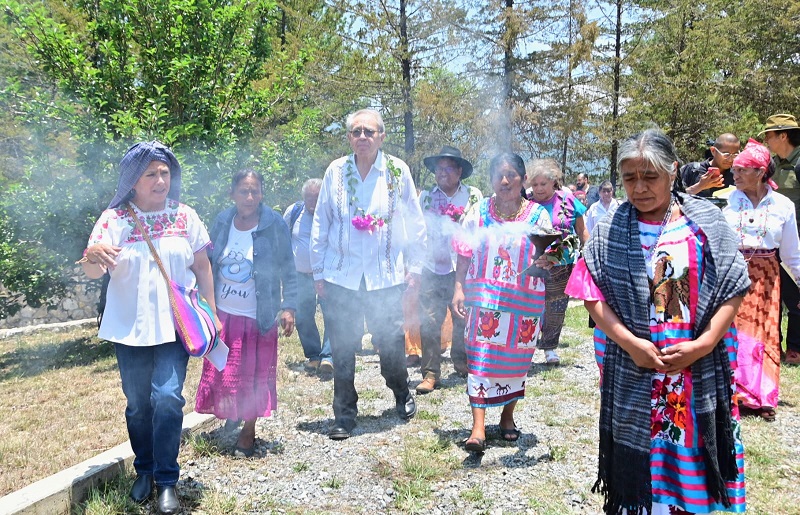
(461,369)
(427,385)
(311,365)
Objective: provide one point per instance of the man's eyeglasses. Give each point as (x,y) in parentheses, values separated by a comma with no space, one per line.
(606,191)
(726,155)
(356,133)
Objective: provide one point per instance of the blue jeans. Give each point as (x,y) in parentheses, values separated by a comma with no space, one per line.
(306,323)
(152,380)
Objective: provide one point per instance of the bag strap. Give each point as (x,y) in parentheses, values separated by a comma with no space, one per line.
(150,244)
(170,294)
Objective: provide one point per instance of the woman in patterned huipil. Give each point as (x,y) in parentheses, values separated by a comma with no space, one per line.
(566,213)
(662,278)
(764,220)
(502,306)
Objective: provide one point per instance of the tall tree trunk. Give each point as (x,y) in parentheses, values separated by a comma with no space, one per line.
(506,103)
(408,105)
(567,123)
(615,96)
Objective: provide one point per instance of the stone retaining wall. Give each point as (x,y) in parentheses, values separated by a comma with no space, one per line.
(80,303)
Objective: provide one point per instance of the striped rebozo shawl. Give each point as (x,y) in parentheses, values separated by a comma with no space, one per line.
(614,259)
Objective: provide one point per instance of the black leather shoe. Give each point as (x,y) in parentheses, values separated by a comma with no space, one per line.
(340,431)
(406,406)
(168,502)
(142,488)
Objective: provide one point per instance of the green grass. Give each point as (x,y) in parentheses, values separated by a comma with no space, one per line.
(561,433)
(202,444)
(333,483)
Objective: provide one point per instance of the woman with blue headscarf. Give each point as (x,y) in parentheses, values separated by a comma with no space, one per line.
(138,317)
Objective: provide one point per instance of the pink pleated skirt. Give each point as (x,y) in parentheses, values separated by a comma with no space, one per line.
(246,388)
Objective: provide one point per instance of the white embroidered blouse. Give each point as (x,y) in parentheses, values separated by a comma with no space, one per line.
(770,225)
(137,312)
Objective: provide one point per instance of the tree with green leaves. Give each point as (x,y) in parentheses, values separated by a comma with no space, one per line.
(196,75)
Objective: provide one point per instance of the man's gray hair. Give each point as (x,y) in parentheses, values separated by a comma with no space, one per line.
(370,112)
(315,184)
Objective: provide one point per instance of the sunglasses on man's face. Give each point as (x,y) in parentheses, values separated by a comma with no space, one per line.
(356,133)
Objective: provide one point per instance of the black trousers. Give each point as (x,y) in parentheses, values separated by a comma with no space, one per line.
(346,310)
(435,296)
(790,296)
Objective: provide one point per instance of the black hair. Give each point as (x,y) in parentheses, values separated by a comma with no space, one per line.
(508,158)
(245,173)
(793,135)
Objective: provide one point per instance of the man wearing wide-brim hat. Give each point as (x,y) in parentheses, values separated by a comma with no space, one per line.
(444,206)
(782,136)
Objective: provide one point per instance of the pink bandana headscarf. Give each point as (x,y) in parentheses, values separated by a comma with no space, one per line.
(755,155)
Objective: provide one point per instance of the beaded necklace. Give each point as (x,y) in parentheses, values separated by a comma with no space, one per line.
(651,249)
(497,214)
(760,227)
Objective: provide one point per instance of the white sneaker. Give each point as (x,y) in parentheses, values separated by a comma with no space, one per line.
(551,358)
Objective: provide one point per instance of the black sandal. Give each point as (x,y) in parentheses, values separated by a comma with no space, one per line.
(475,445)
(510,435)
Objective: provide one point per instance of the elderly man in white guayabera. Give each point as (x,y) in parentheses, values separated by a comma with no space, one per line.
(367,242)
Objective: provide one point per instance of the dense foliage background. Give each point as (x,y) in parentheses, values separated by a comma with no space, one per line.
(267,83)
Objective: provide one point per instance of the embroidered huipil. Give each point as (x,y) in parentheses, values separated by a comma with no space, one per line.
(441,227)
(770,225)
(676,272)
(341,253)
(138,312)
(564,209)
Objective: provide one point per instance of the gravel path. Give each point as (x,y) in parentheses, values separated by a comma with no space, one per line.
(389,466)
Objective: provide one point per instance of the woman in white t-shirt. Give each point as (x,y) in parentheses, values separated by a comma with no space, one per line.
(138,317)
(607,204)
(256,286)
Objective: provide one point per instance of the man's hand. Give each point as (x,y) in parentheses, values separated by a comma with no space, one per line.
(707,180)
(319,287)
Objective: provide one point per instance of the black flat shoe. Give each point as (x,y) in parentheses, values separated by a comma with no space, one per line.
(339,432)
(406,406)
(142,488)
(168,502)
(244,452)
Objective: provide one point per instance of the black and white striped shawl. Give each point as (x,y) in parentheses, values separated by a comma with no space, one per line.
(614,259)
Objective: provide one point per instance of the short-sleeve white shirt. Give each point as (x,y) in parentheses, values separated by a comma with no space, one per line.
(137,311)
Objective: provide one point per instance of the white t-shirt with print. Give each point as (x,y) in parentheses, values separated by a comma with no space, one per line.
(236,288)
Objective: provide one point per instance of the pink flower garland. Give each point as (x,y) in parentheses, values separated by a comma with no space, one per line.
(367,222)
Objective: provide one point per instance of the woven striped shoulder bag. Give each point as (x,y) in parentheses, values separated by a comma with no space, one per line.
(194,321)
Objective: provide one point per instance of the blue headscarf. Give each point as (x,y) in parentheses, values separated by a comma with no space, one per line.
(136,161)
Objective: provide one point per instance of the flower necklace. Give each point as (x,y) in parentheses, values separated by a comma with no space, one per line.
(651,249)
(456,213)
(361,220)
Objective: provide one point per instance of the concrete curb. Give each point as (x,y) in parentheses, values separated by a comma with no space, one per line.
(58,493)
(60,326)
